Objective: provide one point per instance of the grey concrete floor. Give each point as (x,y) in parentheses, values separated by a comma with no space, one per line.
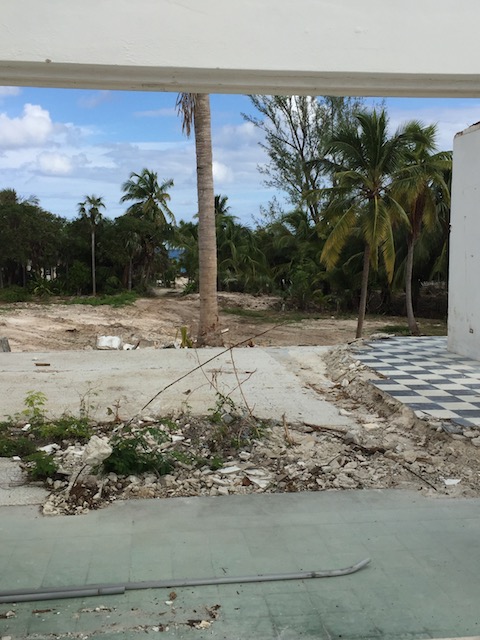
(422,581)
(273,381)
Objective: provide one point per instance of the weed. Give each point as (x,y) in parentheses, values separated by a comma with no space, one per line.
(224,406)
(215,463)
(87,406)
(15,446)
(186,341)
(137,451)
(40,466)
(34,412)
(65,428)
(114,411)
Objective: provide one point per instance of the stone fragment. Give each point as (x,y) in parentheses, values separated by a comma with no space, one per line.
(409,456)
(109,342)
(229,470)
(475,441)
(96,451)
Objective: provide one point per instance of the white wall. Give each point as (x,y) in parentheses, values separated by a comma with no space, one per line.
(464,276)
(367,47)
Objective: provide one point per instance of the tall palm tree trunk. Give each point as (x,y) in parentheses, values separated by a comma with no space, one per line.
(363,294)
(208,326)
(412,323)
(94,277)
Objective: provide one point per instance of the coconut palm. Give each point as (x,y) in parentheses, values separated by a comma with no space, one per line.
(420,188)
(150,207)
(194,109)
(89,209)
(366,159)
(150,199)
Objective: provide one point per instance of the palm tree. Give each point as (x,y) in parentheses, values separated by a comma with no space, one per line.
(150,207)
(366,158)
(89,209)
(418,187)
(194,108)
(150,199)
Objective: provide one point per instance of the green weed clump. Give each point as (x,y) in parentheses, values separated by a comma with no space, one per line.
(137,451)
(11,445)
(40,466)
(396,329)
(234,428)
(65,428)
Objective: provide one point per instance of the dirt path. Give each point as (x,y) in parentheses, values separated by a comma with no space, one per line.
(155,322)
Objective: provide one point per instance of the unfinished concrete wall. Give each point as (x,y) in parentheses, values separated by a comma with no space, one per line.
(464,270)
(319,47)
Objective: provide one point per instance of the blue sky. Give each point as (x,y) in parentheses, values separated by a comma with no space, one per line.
(63,144)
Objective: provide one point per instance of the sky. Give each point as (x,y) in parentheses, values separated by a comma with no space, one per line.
(61,145)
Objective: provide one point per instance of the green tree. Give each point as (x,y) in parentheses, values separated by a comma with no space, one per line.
(296,131)
(150,198)
(150,207)
(366,160)
(194,109)
(29,239)
(421,189)
(241,262)
(89,209)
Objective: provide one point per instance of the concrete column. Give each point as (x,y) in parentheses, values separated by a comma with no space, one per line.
(464,269)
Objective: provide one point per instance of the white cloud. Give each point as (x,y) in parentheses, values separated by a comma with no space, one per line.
(245,134)
(33,127)
(221,173)
(6,92)
(156,113)
(95,99)
(54,164)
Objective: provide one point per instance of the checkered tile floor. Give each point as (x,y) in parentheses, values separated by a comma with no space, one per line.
(422,374)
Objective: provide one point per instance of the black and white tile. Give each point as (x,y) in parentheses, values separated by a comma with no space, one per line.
(422,374)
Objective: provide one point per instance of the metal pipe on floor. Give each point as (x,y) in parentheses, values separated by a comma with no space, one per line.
(59,593)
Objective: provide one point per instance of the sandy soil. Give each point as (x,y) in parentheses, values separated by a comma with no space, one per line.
(155,322)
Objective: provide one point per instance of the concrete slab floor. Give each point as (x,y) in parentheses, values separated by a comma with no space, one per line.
(270,383)
(422,581)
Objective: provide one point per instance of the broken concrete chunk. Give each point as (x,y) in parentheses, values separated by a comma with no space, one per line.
(450,482)
(109,342)
(96,451)
(49,448)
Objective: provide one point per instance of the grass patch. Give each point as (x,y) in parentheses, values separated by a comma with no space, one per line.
(427,328)
(396,329)
(14,294)
(273,315)
(116,300)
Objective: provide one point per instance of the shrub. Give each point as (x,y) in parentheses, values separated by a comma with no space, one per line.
(14,294)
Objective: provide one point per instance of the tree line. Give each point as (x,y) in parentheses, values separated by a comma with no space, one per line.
(366,209)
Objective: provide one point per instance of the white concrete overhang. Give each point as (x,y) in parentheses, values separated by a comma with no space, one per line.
(347,47)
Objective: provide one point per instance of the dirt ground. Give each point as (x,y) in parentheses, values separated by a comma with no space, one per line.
(155,322)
